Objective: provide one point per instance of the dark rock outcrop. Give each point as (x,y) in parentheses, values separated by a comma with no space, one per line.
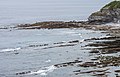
(50,25)
(109,13)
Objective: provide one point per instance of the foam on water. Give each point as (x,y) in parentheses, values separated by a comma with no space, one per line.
(48,61)
(82,40)
(113,24)
(44,71)
(104,36)
(10,49)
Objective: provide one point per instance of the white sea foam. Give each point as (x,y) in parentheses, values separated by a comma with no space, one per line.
(113,24)
(104,36)
(44,71)
(82,40)
(48,61)
(10,49)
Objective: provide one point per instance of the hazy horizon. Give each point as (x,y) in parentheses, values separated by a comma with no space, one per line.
(28,11)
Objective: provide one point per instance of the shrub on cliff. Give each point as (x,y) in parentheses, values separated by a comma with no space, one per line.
(112,5)
(109,13)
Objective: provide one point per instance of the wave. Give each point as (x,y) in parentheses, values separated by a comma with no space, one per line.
(113,24)
(10,49)
(48,61)
(44,71)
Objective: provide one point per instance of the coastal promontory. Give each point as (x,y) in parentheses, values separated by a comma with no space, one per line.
(108,13)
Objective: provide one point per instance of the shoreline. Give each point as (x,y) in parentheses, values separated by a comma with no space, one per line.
(74,48)
(70,24)
(102,50)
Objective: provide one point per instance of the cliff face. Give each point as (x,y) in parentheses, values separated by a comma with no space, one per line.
(109,13)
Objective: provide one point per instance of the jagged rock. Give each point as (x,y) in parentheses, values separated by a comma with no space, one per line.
(109,13)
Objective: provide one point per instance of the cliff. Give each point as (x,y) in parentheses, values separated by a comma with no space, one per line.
(109,13)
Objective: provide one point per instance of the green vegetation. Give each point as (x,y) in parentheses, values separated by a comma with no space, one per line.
(99,13)
(112,5)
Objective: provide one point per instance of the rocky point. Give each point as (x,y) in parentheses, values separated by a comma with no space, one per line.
(109,13)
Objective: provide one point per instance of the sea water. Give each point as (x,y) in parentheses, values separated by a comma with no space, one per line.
(25,50)
(14,12)
(39,50)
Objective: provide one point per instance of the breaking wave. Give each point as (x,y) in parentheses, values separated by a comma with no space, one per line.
(10,49)
(44,71)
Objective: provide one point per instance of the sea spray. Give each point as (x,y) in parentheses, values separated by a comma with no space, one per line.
(10,49)
(44,71)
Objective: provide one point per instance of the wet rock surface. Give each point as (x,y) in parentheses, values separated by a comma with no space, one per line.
(101,63)
(102,58)
(100,72)
(107,51)
(106,47)
(50,25)
(70,25)
(67,64)
(57,44)
(22,73)
(103,51)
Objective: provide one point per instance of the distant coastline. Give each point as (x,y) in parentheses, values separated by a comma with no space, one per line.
(19,12)
(109,13)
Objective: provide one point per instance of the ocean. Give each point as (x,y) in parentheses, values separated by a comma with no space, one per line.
(36,53)
(14,12)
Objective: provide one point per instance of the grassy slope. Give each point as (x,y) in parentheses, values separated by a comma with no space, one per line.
(112,5)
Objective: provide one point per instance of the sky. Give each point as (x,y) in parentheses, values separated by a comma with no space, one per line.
(23,11)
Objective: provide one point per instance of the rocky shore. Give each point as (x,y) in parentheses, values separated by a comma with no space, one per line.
(109,13)
(107,49)
(104,54)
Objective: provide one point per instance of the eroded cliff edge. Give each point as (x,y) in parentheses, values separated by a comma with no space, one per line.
(109,13)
